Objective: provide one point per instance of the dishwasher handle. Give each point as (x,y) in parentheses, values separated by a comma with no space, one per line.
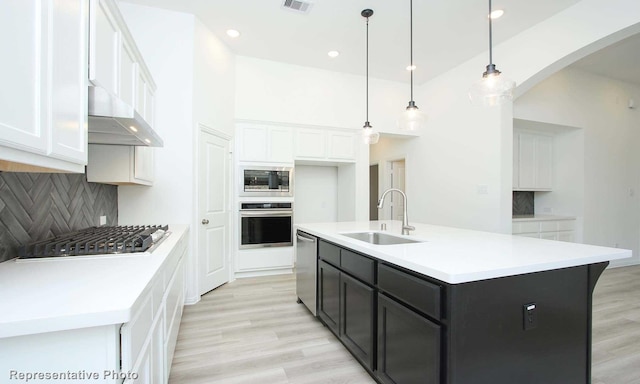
(305,238)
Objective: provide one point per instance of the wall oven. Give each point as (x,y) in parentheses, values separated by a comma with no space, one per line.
(266,181)
(266,224)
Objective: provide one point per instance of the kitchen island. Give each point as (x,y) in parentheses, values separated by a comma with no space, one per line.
(459,306)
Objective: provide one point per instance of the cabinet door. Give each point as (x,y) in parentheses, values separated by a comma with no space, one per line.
(357,319)
(329,296)
(143,167)
(342,146)
(23,76)
(280,145)
(527,161)
(69,81)
(408,345)
(128,74)
(253,143)
(516,161)
(310,143)
(103,63)
(544,162)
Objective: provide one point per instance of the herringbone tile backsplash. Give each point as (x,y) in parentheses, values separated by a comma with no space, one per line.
(36,206)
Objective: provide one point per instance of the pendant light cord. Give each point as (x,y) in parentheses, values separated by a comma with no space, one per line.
(490,36)
(367,69)
(411,43)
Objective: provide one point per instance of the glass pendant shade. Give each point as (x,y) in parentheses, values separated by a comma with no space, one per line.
(369,136)
(412,119)
(492,89)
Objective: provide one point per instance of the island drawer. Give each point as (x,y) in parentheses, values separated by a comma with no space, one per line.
(418,293)
(329,252)
(357,265)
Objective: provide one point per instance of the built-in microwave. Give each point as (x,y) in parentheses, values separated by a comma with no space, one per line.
(266,181)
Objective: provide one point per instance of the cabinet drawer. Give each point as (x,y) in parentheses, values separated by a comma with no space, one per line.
(357,265)
(329,252)
(548,226)
(416,292)
(566,225)
(526,227)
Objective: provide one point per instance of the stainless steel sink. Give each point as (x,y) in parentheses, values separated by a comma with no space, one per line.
(379,238)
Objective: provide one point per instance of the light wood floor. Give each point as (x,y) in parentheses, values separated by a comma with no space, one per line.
(253,331)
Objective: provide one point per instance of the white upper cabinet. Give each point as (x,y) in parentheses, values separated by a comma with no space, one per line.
(43,103)
(318,144)
(282,144)
(115,63)
(265,143)
(532,161)
(121,165)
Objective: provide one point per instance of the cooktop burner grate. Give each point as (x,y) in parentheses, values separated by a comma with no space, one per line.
(95,241)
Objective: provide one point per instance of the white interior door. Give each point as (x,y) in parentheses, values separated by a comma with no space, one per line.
(397,181)
(214,230)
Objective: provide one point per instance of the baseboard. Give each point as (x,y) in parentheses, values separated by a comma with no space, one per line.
(264,272)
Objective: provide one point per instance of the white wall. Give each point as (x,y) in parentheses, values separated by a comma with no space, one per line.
(165,39)
(316,194)
(610,208)
(194,73)
(213,81)
(278,92)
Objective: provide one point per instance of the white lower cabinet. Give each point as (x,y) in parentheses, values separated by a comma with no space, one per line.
(139,351)
(120,165)
(559,229)
(149,339)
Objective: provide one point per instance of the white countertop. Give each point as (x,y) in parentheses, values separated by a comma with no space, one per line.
(56,294)
(540,217)
(457,255)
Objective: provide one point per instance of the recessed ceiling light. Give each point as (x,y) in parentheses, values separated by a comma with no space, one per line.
(496,14)
(148,141)
(333,54)
(233,33)
(411,67)
(134,129)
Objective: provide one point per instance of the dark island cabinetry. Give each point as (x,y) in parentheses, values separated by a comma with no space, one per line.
(408,328)
(346,299)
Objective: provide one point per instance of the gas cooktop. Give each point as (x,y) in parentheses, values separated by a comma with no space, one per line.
(96,241)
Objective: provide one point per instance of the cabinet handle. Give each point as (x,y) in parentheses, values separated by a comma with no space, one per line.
(205,221)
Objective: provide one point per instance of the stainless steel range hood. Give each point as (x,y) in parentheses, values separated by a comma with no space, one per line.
(114,122)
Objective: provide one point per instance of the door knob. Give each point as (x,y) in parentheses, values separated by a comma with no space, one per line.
(205,221)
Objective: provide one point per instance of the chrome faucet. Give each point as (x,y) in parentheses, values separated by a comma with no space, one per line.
(405,219)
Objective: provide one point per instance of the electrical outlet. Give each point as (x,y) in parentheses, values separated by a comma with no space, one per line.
(482,189)
(530,316)
(103,220)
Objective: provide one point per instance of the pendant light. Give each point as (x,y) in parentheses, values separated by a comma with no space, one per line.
(369,136)
(412,119)
(494,88)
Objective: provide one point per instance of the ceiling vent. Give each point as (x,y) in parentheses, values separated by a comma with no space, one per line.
(297,6)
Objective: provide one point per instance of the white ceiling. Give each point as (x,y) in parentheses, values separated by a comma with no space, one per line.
(445,33)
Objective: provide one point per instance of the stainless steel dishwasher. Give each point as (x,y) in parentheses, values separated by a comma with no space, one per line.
(306,270)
